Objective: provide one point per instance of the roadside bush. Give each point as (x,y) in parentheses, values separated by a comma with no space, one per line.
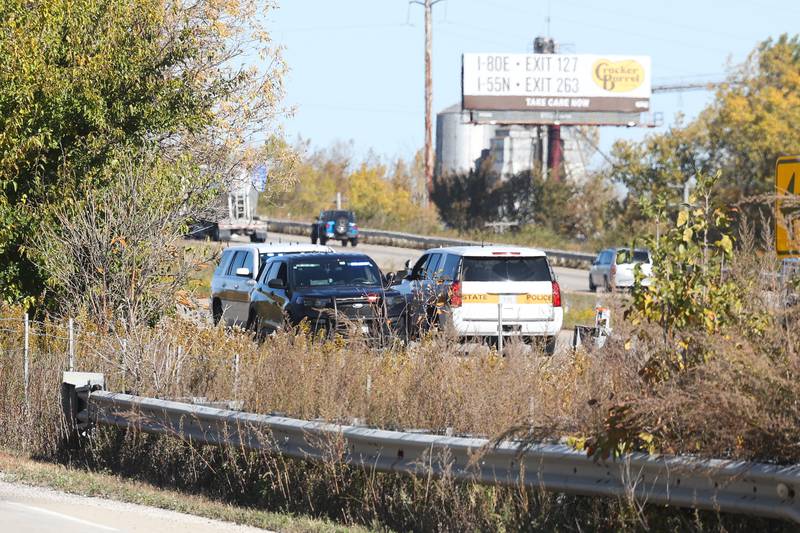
(718,371)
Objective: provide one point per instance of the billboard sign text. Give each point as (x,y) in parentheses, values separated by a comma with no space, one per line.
(556,82)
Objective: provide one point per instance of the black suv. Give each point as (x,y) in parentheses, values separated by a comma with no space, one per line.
(334,292)
(335,225)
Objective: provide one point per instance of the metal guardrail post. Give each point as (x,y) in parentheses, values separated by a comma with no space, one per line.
(75,389)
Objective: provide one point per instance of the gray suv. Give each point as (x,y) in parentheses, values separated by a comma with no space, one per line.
(234,277)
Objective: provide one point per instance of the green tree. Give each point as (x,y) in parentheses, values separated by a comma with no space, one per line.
(83,81)
(754,118)
(382,196)
(468,201)
(751,121)
(659,166)
(689,292)
(116,254)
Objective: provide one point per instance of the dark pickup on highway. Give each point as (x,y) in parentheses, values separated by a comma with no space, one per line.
(333,292)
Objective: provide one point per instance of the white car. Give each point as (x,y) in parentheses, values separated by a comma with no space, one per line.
(489,291)
(237,271)
(616,267)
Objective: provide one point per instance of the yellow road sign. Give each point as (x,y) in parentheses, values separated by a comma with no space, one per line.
(787,206)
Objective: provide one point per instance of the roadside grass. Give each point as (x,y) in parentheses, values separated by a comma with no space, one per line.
(579,309)
(740,404)
(71,480)
(431,384)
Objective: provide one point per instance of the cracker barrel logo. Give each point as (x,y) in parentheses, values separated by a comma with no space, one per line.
(618,76)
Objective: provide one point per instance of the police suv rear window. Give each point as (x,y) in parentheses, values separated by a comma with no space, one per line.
(505,269)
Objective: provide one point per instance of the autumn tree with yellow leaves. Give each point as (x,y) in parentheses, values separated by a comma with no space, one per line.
(382,195)
(752,120)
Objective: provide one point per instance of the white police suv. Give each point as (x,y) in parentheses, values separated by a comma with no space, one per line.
(488,291)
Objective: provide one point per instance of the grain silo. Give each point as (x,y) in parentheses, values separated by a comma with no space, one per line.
(459,144)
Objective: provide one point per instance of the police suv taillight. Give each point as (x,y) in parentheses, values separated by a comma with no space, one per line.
(455,294)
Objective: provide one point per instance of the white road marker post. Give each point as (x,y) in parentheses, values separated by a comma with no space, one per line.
(236,376)
(178,366)
(71,345)
(500,328)
(122,360)
(26,356)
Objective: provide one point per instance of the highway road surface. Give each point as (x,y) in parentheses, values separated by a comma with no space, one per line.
(392,259)
(35,509)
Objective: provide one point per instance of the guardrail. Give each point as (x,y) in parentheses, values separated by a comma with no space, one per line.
(422,242)
(718,485)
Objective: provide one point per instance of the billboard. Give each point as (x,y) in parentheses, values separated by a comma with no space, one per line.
(556,82)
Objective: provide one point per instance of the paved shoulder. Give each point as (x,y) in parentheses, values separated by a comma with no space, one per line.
(26,508)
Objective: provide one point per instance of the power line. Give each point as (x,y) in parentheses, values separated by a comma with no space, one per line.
(361,109)
(344,27)
(681,87)
(473,37)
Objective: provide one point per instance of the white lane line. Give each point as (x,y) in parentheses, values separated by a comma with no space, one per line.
(60,515)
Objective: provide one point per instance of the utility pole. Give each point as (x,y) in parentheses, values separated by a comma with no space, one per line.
(428,5)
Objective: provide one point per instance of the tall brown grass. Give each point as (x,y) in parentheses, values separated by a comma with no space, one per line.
(737,406)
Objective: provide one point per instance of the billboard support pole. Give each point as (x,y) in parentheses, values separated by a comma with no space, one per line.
(554,152)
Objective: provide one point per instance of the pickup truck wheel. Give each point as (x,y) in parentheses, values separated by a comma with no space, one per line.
(216,311)
(353,242)
(592,286)
(344,243)
(606,284)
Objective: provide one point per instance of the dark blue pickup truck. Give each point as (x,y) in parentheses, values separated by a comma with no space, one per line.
(332,292)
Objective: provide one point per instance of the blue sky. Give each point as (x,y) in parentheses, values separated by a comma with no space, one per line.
(357,65)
